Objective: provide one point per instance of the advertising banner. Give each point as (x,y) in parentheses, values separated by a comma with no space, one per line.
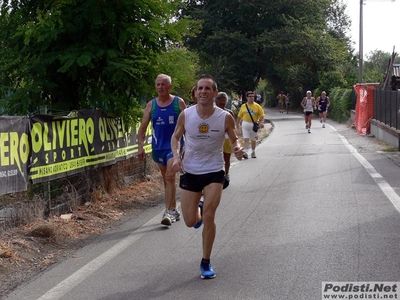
(44,147)
(63,146)
(364,107)
(14,154)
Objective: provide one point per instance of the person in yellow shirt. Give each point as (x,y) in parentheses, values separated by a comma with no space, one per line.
(281,99)
(245,120)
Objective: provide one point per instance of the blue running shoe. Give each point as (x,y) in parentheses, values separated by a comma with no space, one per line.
(198,224)
(207,271)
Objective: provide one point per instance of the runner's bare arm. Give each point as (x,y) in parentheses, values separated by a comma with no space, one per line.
(182,104)
(143,128)
(302,102)
(177,165)
(230,130)
(261,120)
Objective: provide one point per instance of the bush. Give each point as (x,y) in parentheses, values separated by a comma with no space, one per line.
(341,104)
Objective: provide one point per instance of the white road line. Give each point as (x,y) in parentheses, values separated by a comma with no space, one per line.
(384,186)
(74,279)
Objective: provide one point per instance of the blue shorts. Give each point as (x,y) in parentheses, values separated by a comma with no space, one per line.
(162,156)
(196,183)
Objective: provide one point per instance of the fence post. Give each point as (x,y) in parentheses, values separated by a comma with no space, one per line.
(47,188)
(398,110)
(47,196)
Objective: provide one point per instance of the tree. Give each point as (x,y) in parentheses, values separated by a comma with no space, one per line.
(285,42)
(376,65)
(183,66)
(343,70)
(339,22)
(75,54)
(293,45)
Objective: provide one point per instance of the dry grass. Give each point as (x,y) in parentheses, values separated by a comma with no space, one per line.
(30,248)
(7,253)
(46,231)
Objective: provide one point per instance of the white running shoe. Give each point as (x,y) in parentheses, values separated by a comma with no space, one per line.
(175,213)
(167,218)
(245,154)
(253,154)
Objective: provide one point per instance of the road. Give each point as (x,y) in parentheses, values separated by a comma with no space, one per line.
(309,209)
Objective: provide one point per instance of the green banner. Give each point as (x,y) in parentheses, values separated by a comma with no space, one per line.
(64,146)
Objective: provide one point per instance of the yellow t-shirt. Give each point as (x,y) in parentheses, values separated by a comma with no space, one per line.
(256,111)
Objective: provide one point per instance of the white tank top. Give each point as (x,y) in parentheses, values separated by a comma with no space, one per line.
(308,105)
(203,141)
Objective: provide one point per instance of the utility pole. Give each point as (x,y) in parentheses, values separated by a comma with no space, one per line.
(361,54)
(361,58)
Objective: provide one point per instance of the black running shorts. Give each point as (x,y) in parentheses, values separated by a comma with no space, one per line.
(196,183)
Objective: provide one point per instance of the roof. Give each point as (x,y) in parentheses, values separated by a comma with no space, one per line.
(396,70)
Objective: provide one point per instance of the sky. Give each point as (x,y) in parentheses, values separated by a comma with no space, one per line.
(381,26)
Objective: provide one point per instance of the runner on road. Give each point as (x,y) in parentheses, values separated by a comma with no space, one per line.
(204,126)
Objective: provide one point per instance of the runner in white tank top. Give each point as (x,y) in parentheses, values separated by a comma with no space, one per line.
(308,104)
(204,126)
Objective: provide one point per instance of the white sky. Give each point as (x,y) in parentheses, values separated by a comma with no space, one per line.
(381,25)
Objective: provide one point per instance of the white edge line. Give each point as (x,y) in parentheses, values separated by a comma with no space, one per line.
(74,279)
(383,185)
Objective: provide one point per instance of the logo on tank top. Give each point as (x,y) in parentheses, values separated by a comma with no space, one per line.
(171,120)
(160,121)
(204,128)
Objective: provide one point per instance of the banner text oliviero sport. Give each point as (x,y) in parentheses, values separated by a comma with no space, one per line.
(43,147)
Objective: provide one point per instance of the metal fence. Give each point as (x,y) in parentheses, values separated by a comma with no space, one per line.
(61,196)
(387,107)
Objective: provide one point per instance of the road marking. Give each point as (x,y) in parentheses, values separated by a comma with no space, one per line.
(383,185)
(76,278)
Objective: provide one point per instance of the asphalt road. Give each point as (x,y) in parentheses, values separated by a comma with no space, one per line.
(311,208)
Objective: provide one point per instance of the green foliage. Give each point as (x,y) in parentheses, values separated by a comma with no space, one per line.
(183,66)
(289,43)
(376,66)
(265,89)
(75,54)
(341,104)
